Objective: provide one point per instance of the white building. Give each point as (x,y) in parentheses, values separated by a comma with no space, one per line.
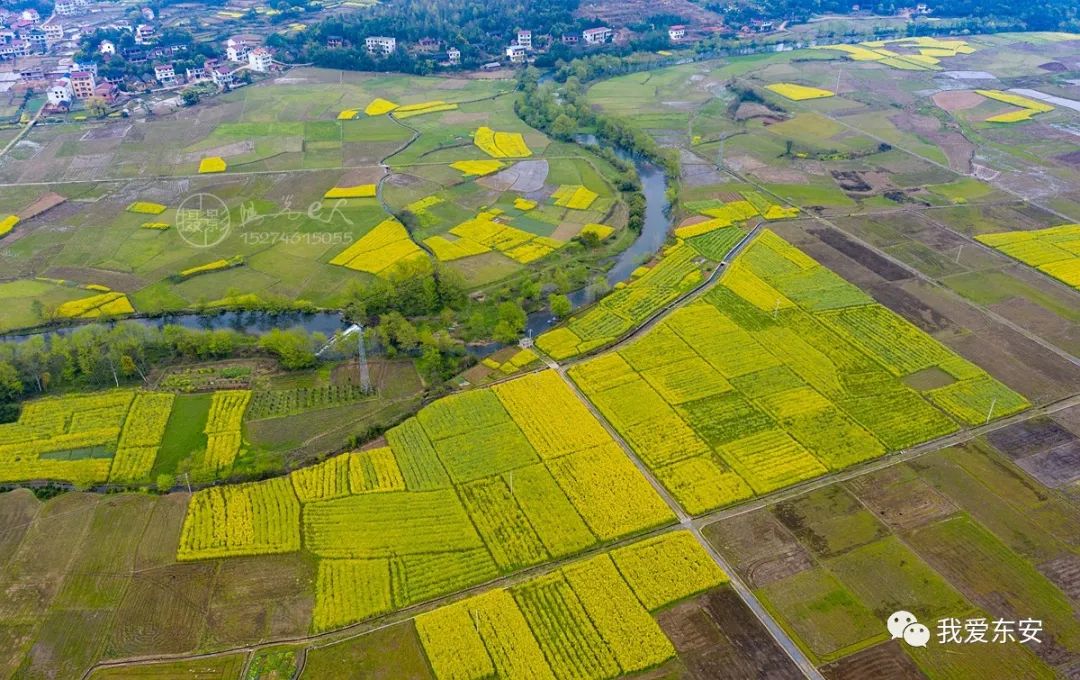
(54,32)
(165,74)
(596,36)
(380,44)
(260,59)
(222,76)
(65,8)
(144,34)
(524,38)
(147,13)
(676,33)
(107,47)
(516,54)
(453,55)
(30,15)
(60,93)
(236,49)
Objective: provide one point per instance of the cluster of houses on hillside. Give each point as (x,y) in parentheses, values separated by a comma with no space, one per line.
(25,33)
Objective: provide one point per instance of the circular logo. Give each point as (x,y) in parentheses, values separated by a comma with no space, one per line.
(202,220)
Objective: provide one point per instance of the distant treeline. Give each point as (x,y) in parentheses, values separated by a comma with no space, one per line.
(983,15)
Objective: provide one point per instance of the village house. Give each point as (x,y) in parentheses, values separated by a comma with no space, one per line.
(676,33)
(335,41)
(165,74)
(516,54)
(524,38)
(222,76)
(107,91)
(144,34)
(107,47)
(31,15)
(54,32)
(453,56)
(260,59)
(39,44)
(596,36)
(380,44)
(59,94)
(83,84)
(65,8)
(428,45)
(237,48)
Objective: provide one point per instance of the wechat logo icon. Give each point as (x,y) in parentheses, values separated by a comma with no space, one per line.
(904,625)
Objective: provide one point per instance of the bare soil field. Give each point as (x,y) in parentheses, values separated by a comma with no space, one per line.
(885,661)
(762,548)
(716,636)
(900,499)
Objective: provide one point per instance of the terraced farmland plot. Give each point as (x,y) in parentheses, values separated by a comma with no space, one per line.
(459,496)
(761,385)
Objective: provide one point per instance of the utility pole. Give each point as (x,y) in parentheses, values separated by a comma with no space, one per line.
(990,413)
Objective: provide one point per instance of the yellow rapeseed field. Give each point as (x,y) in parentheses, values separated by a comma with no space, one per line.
(146,208)
(7,224)
(797,92)
(380,249)
(212,164)
(105,304)
(667,569)
(379,107)
(477,168)
(501,144)
(356,191)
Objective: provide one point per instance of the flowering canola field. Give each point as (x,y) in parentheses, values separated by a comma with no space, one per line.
(1028,107)
(85,439)
(379,250)
(1054,251)
(797,92)
(779,374)
(483,234)
(590,619)
(501,144)
(478,484)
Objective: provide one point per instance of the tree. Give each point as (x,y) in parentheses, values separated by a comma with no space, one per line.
(190,97)
(563,127)
(560,305)
(11,388)
(511,322)
(97,107)
(293,348)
